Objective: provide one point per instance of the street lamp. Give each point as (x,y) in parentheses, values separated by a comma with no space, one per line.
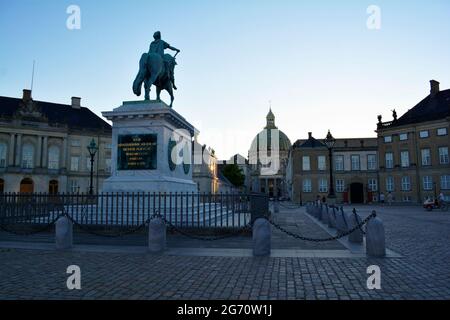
(92,148)
(329,142)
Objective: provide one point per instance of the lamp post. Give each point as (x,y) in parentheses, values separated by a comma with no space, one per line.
(329,142)
(92,148)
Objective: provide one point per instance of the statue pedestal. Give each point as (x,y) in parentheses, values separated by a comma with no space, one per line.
(145,134)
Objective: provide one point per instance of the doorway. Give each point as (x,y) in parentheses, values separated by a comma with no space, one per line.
(2,186)
(53,187)
(26,186)
(357,193)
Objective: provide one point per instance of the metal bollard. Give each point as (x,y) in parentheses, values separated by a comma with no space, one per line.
(261,232)
(276,206)
(375,238)
(332,218)
(64,234)
(156,235)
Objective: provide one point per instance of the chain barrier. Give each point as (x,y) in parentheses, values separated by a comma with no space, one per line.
(296,236)
(30,233)
(172,227)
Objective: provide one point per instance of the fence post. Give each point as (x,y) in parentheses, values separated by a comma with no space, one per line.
(261,233)
(325,214)
(276,206)
(332,217)
(156,235)
(63,234)
(357,235)
(375,238)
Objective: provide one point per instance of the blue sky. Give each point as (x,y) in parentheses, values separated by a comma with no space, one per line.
(317,61)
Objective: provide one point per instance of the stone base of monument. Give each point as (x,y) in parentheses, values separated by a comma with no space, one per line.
(151,149)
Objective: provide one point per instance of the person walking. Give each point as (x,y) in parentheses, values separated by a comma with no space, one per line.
(390,197)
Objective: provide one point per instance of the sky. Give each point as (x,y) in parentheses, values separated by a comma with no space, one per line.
(317,63)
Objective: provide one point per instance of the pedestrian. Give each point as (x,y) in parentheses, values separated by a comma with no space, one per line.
(382,198)
(390,197)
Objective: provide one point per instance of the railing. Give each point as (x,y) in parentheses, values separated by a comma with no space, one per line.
(184,210)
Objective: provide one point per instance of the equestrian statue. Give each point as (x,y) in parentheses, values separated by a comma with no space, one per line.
(156,68)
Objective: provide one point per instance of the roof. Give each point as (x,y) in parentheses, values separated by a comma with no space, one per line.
(341,143)
(310,143)
(82,118)
(433,107)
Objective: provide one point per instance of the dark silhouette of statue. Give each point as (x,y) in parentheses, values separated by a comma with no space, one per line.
(156,68)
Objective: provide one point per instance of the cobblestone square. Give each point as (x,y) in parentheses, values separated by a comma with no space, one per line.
(422,272)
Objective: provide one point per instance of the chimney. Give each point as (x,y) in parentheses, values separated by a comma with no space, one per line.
(309,135)
(26,95)
(76,103)
(434,87)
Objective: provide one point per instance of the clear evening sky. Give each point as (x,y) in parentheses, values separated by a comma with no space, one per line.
(317,61)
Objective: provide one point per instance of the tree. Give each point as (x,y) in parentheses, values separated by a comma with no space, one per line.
(234,174)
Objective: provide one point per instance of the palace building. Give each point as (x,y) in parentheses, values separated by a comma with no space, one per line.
(43,146)
(414,149)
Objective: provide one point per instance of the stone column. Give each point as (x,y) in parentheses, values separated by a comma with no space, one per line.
(64,154)
(267,186)
(45,153)
(11,150)
(39,153)
(18,150)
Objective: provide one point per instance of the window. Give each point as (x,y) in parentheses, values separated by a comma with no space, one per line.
(339,163)
(427,183)
(74,187)
(323,185)
(75,163)
(443,155)
(371,162)
(442,131)
(388,139)
(389,160)
(3,155)
(108,165)
(75,143)
(321,163)
(340,185)
(355,163)
(307,186)
(373,185)
(445,182)
(403,136)
(88,164)
(426,157)
(405,159)
(306,163)
(406,183)
(424,134)
(53,158)
(406,198)
(389,184)
(108,146)
(27,156)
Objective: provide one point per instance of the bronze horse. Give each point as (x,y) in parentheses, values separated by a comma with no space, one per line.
(152,71)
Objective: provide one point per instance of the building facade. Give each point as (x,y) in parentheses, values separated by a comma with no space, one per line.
(43,146)
(414,150)
(354,166)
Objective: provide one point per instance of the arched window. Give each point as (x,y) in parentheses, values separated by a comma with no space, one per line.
(53,158)
(3,155)
(26,186)
(27,156)
(2,186)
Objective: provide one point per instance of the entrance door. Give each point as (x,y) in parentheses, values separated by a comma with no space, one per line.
(53,187)
(357,193)
(26,186)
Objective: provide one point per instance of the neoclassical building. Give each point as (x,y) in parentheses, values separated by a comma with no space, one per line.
(43,146)
(268,158)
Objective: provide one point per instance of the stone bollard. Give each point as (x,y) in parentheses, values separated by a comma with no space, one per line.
(375,238)
(276,206)
(156,235)
(325,214)
(354,220)
(341,221)
(63,234)
(332,218)
(261,231)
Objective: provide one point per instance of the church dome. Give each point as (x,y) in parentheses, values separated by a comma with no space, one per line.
(266,135)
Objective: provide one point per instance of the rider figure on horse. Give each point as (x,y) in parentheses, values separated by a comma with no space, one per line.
(158,46)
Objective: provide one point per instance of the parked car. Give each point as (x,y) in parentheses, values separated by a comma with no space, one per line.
(432,204)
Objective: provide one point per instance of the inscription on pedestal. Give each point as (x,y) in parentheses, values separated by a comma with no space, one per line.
(137,152)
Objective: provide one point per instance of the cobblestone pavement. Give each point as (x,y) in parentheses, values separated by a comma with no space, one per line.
(423,272)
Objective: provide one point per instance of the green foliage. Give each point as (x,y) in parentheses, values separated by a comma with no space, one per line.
(234,174)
